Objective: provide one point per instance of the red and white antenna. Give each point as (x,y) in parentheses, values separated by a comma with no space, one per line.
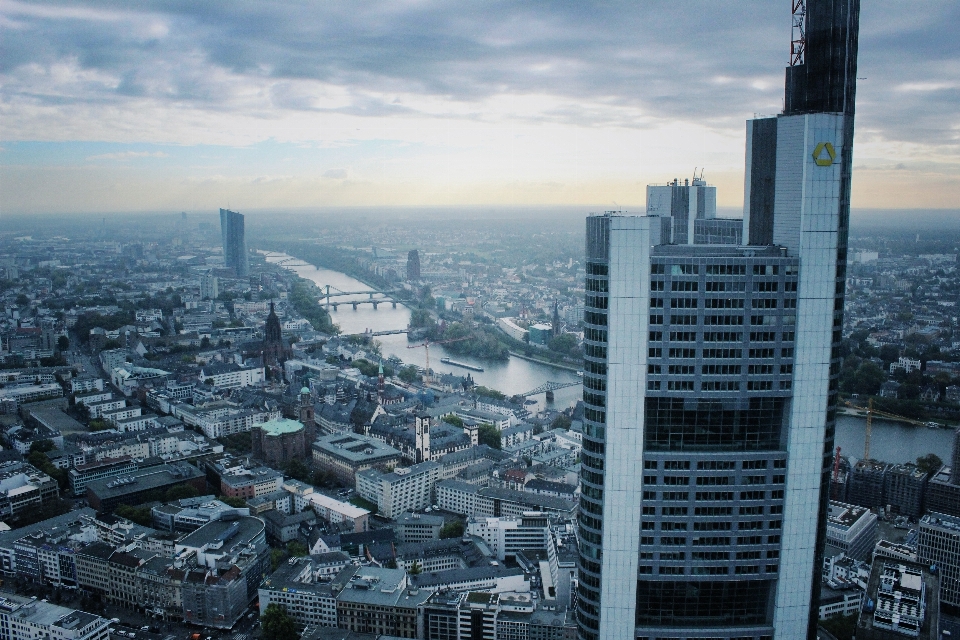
(798,33)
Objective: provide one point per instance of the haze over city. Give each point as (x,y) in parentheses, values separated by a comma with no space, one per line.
(110,107)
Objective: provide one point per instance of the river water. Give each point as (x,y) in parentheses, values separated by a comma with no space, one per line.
(890,441)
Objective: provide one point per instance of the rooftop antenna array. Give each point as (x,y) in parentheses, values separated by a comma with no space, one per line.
(798,36)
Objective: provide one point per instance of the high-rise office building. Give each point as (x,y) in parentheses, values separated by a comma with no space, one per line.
(413,265)
(710,378)
(234,242)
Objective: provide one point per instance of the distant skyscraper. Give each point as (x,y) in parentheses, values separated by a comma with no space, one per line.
(234,242)
(413,265)
(710,381)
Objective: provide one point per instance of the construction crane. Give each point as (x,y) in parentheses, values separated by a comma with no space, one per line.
(871,412)
(426,348)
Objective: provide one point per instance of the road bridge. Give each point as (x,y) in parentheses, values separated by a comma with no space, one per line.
(549,387)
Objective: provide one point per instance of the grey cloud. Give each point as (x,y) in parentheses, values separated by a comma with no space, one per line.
(663,60)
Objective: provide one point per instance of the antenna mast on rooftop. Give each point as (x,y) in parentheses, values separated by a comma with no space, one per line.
(798,36)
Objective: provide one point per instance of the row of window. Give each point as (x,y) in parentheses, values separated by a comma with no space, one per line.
(717,269)
(694,285)
(713,496)
(706,571)
(725,353)
(717,385)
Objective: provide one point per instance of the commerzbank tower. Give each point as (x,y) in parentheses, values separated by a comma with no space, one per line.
(712,352)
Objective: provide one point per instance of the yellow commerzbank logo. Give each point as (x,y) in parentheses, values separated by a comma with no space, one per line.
(824,154)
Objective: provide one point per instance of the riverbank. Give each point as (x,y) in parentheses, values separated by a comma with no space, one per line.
(546,363)
(862,413)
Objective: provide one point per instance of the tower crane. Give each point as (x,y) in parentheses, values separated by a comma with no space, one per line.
(426,348)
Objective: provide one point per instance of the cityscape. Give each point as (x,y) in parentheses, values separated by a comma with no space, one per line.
(684,419)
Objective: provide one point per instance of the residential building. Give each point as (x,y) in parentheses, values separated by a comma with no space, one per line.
(904,599)
(27,618)
(416,527)
(339,513)
(474,501)
(507,536)
(301,586)
(403,489)
(378,601)
(220,566)
(231,375)
(852,530)
(939,544)
(904,488)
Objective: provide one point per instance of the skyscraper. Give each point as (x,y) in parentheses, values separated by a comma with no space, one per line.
(710,378)
(413,265)
(234,242)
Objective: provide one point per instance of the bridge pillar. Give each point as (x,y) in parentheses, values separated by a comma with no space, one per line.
(375,303)
(549,396)
(354,306)
(394,303)
(371,294)
(335,305)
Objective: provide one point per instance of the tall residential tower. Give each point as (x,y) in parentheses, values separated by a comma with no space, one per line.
(234,242)
(710,381)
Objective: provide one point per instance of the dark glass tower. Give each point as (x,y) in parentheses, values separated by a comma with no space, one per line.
(234,242)
(710,380)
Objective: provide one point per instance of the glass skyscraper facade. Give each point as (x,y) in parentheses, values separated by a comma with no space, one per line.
(234,242)
(710,381)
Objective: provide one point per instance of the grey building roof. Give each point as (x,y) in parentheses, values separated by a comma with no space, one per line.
(354,448)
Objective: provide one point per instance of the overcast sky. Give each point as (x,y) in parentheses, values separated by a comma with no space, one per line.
(192,105)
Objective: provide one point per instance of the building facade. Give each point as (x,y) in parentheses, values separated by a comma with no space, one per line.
(234,242)
(710,381)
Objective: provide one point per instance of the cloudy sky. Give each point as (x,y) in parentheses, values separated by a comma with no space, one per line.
(186,105)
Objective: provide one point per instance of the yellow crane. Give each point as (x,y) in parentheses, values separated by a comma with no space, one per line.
(426,348)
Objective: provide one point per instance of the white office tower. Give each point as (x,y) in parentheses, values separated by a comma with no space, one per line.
(692,206)
(710,379)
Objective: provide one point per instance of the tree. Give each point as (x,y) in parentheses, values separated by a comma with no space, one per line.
(234,501)
(180,491)
(63,343)
(99,425)
(455,420)
(489,435)
(452,529)
(140,515)
(415,568)
(562,421)
(276,557)
(929,463)
(298,470)
(409,374)
(868,378)
(565,343)
(297,549)
(276,624)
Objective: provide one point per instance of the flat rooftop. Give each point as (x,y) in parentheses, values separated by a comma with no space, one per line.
(143,480)
(844,515)
(354,448)
(243,530)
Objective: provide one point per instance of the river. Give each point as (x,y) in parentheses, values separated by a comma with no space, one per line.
(890,442)
(511,377)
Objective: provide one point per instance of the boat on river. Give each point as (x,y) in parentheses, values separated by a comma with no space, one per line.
(463,365)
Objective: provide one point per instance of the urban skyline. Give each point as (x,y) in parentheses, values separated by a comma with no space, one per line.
(151,106)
